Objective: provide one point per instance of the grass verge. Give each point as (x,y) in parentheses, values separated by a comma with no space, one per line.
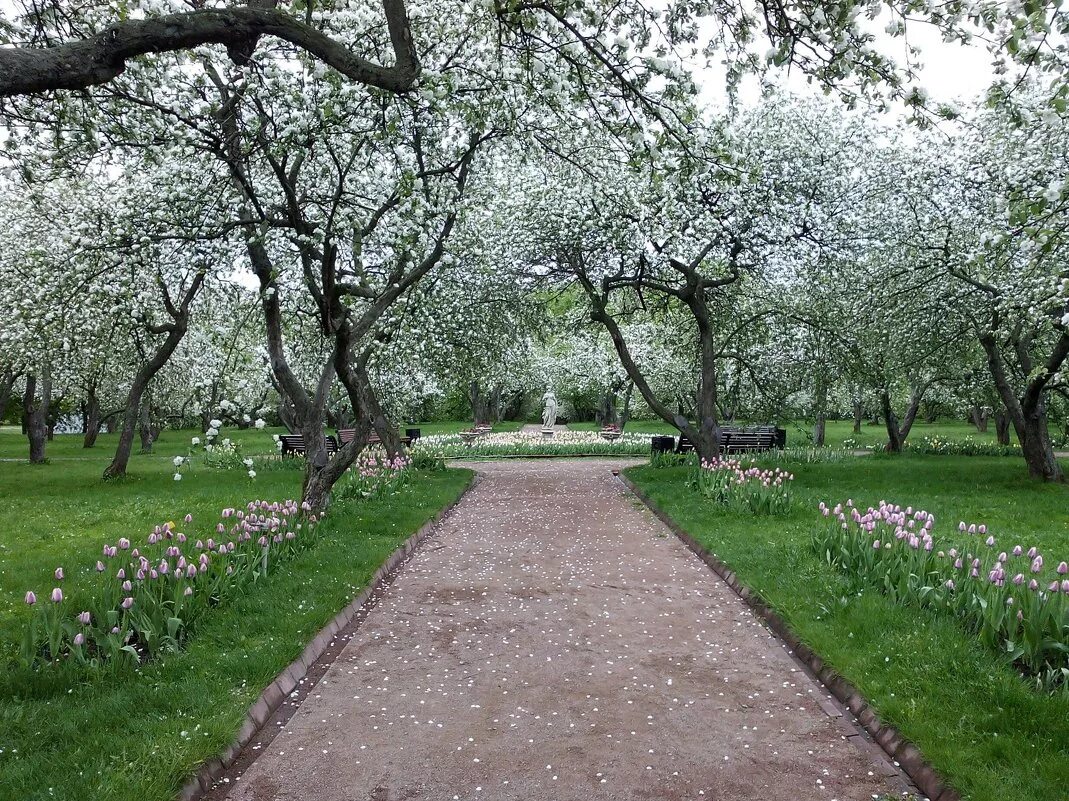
(970,714)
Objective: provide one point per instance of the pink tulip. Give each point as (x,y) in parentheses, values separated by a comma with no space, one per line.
(1018,579)
(79,639)
(127,586)
(100,566)
(124,543)
(57,595)
(1037,564)
(31,598)
(83,618)
(127,602)
(1063,568)
(189,518)
(188,591)
(59,574)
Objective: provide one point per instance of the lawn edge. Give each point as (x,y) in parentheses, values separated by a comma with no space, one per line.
(350,617)
(899,749)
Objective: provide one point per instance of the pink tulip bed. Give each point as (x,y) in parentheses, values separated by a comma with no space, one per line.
(1013,598)
(148,597)
(726,481)
(374,474)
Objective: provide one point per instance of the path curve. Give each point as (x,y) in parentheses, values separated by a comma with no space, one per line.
(553,641)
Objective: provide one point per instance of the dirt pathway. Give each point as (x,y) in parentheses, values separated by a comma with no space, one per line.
(553,641)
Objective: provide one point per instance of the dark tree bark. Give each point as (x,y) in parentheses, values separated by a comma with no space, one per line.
(480,412)
(897,431)
(102,57)
(35,413)
(144,426)
(1002,427)
(606,414)
(820,410)
(91,416)
(979,417)
(625,412)
(859,415)
(174,331)
(1027,412)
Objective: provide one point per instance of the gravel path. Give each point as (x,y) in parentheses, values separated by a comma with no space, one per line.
(553,641)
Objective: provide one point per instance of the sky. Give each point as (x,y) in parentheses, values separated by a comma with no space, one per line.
(951,72)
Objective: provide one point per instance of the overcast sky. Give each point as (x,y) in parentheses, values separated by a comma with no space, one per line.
(951,72)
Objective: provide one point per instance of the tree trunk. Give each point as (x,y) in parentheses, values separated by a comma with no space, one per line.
(36,414)
(625,414)
(91,417)
(1028,414)
(859,414)
(820,411)
(1002,427)
(894,438)
(979,418)
(606,414)
(144,427)
(1037,447)
(479,409)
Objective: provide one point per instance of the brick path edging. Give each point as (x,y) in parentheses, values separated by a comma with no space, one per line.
(277,691)
(897,747)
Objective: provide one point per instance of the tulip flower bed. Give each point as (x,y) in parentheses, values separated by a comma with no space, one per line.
(115,731)
(1004,595)
(518,443)
(983,725)
(761,491)
(374,474)
(147,598)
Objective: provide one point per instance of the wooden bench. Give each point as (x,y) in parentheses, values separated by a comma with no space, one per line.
(610,433)
(747,441)
(742,440)
(293,445)
(345,436)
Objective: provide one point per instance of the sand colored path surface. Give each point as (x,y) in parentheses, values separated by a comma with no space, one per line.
(554,641)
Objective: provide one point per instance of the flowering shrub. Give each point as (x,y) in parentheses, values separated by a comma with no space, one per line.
(1007,597)
(374,474)
(147,599)
(759,490)
(222,454)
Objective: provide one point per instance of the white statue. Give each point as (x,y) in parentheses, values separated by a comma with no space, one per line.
(549,414)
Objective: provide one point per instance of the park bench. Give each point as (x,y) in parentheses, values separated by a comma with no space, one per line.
(736,440)
(345,436)
(293,445)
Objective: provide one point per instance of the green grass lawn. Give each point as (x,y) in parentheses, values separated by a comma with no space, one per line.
(70,735)
(980,725)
